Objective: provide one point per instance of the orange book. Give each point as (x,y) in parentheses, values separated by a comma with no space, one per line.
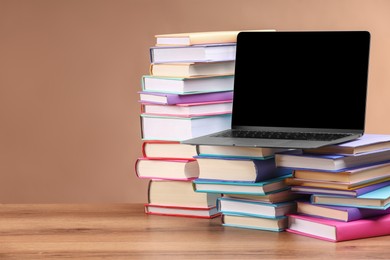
(194,38)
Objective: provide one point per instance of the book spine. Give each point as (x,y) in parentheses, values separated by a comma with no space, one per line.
(151,55)
(143,148)
(266,169)
(363,213)
(149,189)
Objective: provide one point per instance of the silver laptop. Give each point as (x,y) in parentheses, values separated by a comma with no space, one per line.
(297,89)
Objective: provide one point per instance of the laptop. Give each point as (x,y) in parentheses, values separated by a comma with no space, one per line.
(297,89)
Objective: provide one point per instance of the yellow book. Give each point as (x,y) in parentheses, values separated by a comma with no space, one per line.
(356,175)
(332,184)
(193,38)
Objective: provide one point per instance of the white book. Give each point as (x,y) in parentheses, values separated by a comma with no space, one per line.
(187,85)
(194,53)
(181,128)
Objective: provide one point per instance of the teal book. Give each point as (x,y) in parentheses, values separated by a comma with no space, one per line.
(377,199)
(227,205)
(235,187)
(238,151)
(251,222)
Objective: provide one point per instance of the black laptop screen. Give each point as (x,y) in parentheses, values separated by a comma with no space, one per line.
(301,79)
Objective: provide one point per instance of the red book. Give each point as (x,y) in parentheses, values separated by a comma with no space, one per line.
(335,231)
(179,211)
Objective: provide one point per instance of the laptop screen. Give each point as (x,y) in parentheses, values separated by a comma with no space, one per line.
(301,79)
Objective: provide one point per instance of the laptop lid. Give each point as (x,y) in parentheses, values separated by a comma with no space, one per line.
(312,81)
(307,81)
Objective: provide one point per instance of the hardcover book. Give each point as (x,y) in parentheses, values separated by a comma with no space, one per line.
(341,213)
(237,151)
(173,99)
(173,169)
(179,211)
(254,208)
(272,197)
(194,53)
(178,194)
(335,231)
(194,38)
(365,143)
(250,222)
(166,128)
(377,199)
(205,84)
(190,109)
(236,187)
(333,184)
(352,192)
(356,175)
(330,162)
(192,69)
(156,149)
(238,169)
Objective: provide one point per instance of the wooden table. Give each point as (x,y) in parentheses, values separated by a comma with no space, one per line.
(123,231)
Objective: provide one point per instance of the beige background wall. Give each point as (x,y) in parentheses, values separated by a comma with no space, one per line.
(70,71)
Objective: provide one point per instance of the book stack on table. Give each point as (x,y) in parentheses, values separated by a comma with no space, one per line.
(188,93)
(348,187)
(254,192)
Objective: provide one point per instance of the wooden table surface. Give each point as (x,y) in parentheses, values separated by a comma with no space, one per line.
(124,231)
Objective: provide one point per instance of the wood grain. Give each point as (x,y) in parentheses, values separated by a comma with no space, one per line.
(124,231)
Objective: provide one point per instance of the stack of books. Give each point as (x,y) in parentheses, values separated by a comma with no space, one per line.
(348,187)
(254,192)
(187,93)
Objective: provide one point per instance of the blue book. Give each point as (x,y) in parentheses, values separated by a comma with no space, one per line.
(296,159)
(228,205)
(377,199)
(341,213)
(235,187)
(238,169)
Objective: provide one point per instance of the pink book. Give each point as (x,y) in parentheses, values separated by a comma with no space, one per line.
(335,231)
(172,99)
(181,211)
(208,108)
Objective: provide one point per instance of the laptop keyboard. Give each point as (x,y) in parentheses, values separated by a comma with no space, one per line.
(282,135)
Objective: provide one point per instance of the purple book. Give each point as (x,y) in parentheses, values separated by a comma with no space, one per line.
(255,170)
(350,193)
(172,99)
(342,213)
